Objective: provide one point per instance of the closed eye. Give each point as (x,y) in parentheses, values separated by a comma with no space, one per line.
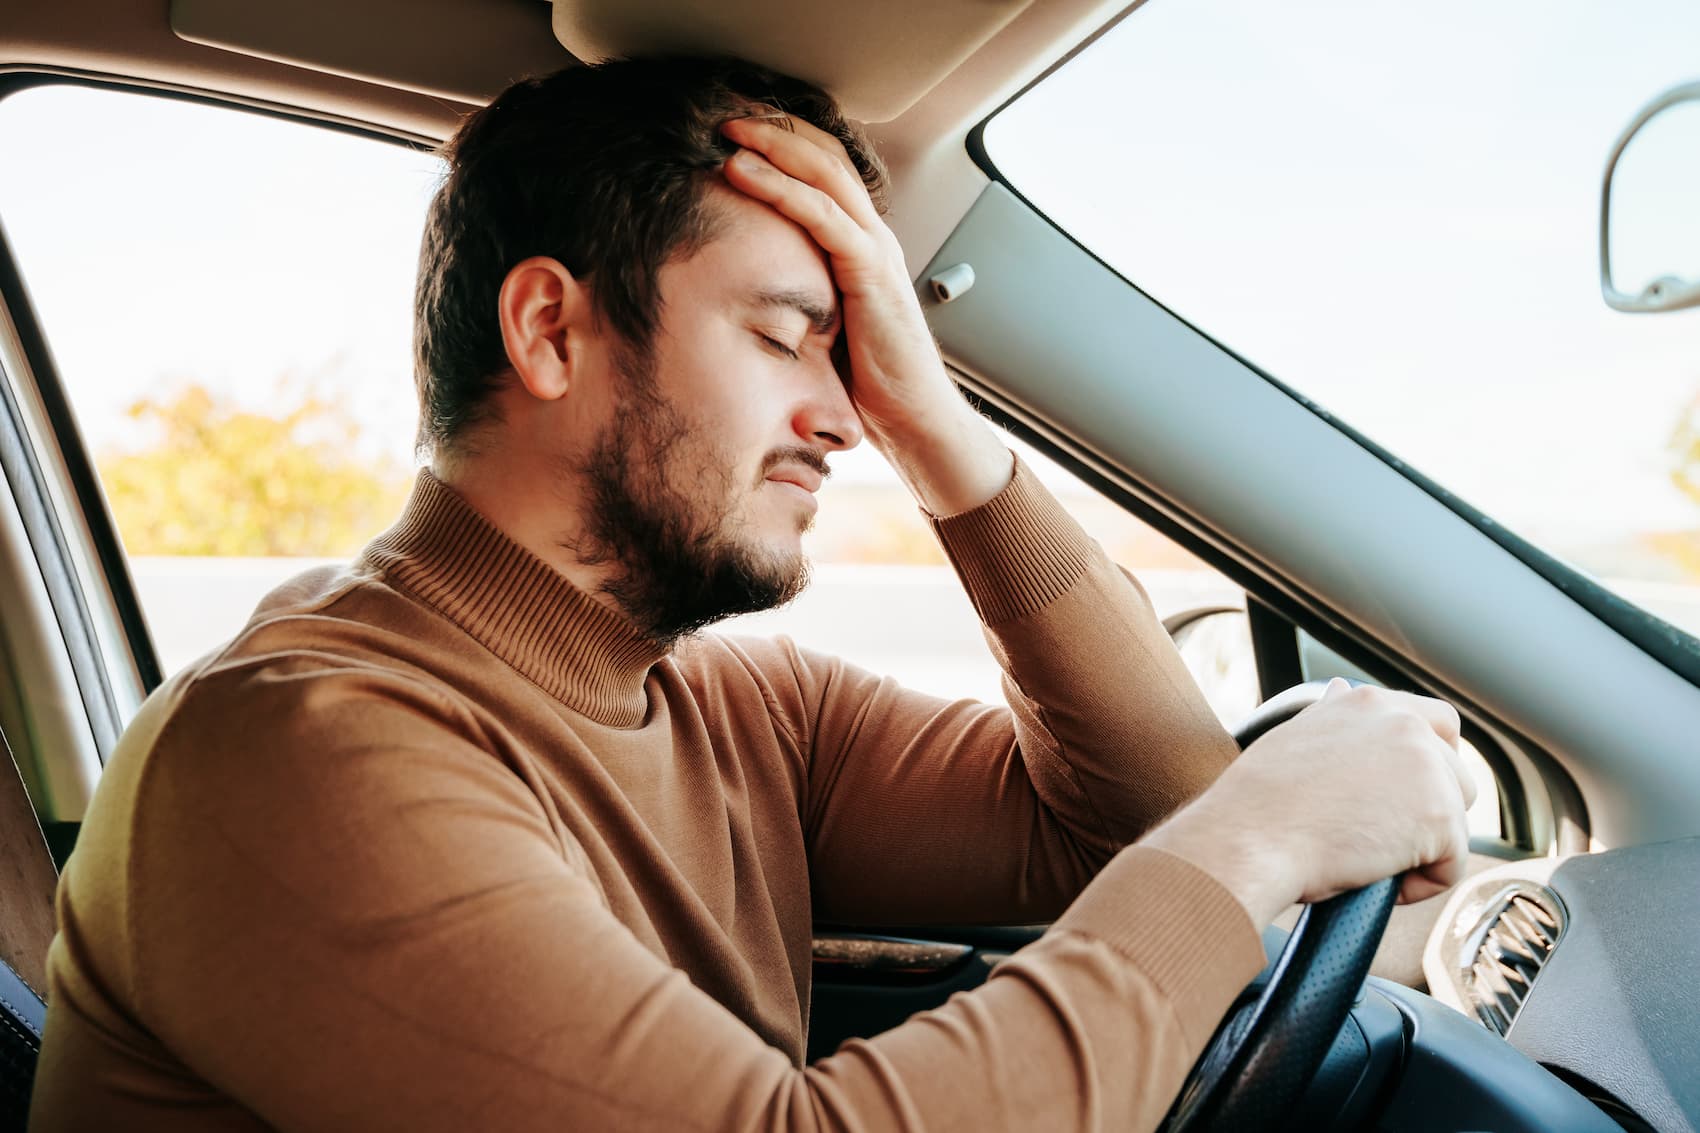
(776,346)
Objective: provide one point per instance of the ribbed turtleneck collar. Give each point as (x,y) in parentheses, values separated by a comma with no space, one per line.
(589,657)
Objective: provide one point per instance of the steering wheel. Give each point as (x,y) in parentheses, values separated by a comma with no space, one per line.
(1257,1066)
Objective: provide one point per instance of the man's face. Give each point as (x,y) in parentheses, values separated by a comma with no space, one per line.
(703,481)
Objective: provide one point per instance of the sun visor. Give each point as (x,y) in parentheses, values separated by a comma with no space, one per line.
(877,57)
(465,50)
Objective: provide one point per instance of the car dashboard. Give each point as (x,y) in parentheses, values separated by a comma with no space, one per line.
(1587,965)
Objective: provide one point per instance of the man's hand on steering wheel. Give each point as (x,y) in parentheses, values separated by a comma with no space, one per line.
(1363,785)
(1359,793)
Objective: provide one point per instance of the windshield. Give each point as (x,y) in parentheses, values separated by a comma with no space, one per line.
(1394,209)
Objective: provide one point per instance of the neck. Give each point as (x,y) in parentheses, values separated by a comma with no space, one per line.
(535,505)
(450,557)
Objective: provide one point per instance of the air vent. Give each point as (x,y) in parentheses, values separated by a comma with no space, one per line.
(1513,943)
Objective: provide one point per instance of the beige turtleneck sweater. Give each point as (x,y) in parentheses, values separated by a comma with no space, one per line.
(441,843)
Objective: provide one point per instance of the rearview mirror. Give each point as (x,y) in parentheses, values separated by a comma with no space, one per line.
(1650,208)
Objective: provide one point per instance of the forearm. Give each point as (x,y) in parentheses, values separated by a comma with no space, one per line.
(1115,732)
(1093,1026)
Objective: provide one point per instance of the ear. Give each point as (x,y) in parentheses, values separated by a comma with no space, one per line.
(545,313)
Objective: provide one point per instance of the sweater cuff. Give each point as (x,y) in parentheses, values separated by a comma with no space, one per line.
(1018,551)
(1179,927)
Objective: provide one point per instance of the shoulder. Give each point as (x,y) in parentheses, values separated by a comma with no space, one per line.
(285,729)
(331,660)
(256,758)
(330,633)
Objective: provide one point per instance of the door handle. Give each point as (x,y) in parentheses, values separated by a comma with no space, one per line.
(862,955)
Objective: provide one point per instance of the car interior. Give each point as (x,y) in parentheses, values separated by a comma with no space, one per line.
(1552,990)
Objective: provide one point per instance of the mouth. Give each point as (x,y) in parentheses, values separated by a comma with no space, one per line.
(809,482)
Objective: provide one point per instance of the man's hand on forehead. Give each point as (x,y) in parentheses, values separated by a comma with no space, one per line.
(890,363)
(807,130)
(806,175)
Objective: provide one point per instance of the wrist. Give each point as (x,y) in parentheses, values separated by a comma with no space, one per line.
(1255,866)
(949,458)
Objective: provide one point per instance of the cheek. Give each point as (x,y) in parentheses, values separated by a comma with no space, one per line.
(718,455)
(744,408)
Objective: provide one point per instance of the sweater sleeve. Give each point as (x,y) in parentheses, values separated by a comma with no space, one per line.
(349,914)
(921,810)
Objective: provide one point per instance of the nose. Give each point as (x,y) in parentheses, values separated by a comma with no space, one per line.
(826,417)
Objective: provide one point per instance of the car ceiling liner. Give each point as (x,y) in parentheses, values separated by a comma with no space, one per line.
(877,57)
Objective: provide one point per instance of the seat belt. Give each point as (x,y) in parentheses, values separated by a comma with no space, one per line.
(27,880)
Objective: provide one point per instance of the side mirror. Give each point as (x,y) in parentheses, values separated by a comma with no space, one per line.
(1214,642)
(1650,208)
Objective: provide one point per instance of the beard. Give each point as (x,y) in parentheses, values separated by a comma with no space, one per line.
(661,510)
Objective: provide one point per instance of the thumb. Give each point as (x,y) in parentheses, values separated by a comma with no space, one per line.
(1335,687)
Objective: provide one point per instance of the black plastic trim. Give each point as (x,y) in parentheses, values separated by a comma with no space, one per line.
(46,535)
(84,484)
(1275,646)
(861,1008)
(1459,1075)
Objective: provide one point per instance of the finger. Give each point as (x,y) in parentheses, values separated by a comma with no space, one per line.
(1418,886)
(1451,749)
(1466,778)
(766,112)
(803,128)
(818,212)
(1444,872)
(809,161)
(1430,880)
(1438,714)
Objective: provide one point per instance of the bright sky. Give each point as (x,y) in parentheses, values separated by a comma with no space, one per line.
(164,239)
(1392,207)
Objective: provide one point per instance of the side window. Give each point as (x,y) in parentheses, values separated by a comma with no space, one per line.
(226,297)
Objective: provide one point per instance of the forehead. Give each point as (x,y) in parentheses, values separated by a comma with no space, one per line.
(754,247)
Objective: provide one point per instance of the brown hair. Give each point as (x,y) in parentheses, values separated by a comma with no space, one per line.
(602,168)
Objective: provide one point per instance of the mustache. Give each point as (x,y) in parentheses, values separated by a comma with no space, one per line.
(795,454)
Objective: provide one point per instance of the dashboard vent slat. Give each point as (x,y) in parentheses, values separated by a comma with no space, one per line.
(1514,940)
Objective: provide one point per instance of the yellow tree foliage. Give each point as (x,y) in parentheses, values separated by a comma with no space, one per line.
(1684,451)
(217,479)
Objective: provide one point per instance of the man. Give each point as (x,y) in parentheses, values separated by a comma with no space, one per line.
(482,833)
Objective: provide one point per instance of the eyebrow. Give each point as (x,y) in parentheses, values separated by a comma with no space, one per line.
(823,317)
